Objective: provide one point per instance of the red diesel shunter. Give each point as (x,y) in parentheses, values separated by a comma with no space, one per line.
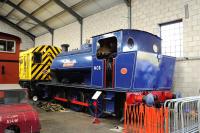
(16,115)
(9,58)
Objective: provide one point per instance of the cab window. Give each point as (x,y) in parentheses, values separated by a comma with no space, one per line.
(2,45)
(7,46)
(13,96)
(37,57)
(10,46)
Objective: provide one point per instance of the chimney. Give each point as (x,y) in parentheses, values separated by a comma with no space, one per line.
(65,47)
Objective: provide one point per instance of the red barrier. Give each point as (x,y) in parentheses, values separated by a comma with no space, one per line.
(61,99)
(73,101)
(143,119)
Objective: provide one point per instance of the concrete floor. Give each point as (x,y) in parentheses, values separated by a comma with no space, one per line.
(74,122)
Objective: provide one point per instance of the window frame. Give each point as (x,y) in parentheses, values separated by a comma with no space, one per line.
(1,51)
(169,53)
(40,57)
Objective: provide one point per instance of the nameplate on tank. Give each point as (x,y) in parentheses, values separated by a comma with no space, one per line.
(69,63)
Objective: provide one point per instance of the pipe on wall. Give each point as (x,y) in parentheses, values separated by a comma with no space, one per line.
(130,15)
(128,4)
(81,33)
(52,38)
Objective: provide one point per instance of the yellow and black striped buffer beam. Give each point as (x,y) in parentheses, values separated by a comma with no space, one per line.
(41,70)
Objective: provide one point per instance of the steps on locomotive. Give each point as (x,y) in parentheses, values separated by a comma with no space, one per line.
(109,103)
(109,113)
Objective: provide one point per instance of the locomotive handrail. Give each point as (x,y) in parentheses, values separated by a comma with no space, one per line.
(75,52)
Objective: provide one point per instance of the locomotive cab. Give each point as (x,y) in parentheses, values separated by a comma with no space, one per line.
(9,58)
(107,50)
(130,60)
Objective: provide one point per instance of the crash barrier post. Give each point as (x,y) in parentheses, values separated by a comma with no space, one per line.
(139,118)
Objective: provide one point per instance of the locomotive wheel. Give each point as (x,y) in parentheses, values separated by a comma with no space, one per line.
(92,108)
(79,96)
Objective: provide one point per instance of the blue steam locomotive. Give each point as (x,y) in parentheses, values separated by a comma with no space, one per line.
(125,65)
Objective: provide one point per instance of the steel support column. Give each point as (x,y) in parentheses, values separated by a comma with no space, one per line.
(81,33)
(52,38)
(128,3)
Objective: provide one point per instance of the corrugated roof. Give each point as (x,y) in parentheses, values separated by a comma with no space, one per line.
(53,15)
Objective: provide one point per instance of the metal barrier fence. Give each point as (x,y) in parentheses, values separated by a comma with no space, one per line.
(184,115)
(180,115)
(143,119)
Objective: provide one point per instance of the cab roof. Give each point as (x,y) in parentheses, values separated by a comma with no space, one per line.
(33,49)
(123,30)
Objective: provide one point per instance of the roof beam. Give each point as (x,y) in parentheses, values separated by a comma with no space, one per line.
(70,10)
(28,15)
(79,3)
(14,8)
(3,19)
(48,19)
(39,8)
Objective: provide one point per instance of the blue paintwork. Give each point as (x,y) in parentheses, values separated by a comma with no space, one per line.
(146,71)
(153,72)
(166,73)
(110,102)
(124,60)
(97,73)
(82,60)
(146,68)
(143,41)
